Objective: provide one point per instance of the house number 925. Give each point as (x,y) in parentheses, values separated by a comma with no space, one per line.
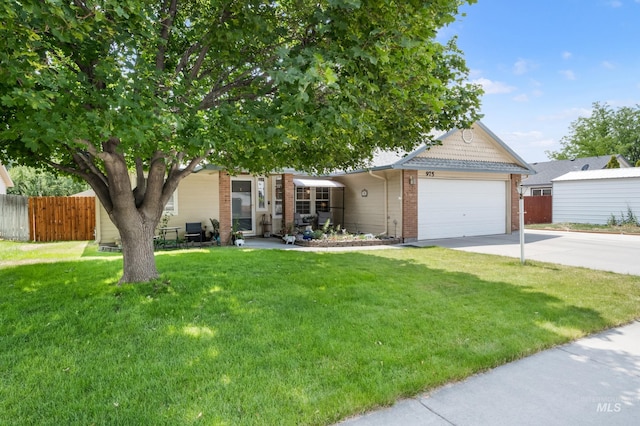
(430,174)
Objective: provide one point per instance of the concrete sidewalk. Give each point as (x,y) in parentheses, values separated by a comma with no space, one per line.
(593,381)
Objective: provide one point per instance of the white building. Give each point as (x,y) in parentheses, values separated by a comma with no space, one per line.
(595,196)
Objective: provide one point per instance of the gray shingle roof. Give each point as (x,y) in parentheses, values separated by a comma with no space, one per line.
(424,163)
(549,170)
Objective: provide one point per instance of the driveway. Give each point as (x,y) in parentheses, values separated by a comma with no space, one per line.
(607,252)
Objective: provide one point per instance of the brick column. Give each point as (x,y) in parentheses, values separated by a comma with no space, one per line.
(288,199)
(409,205)
(515,200)
(224,189)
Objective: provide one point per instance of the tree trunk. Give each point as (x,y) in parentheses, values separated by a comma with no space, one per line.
(139,263)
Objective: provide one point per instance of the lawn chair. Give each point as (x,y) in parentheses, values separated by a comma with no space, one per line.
(322,219)
(300,221)
(193,232)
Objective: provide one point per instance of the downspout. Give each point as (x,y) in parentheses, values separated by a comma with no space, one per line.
(386,201)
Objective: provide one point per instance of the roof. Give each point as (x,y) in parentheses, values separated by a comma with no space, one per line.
(415,161)
(549,170)
(632,172)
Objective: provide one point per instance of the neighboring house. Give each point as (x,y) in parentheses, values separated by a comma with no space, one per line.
(465,186)
(5,180)
(596,196)
(540,183)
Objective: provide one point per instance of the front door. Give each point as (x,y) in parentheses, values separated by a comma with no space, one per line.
(241,205)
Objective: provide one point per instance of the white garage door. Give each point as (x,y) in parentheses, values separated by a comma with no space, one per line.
(458,208)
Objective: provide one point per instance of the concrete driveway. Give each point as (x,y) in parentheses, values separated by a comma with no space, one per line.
(607,252)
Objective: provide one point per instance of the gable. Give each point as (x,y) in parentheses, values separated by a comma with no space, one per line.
(468,145)
(469,150)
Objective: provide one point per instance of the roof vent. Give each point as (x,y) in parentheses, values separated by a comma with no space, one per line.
(585,167)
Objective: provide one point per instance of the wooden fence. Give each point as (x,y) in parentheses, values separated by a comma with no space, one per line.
(62,218)
(538,209)
(14,217)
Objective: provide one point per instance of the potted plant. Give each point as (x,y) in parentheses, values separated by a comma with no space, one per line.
(236,233)
(215,231)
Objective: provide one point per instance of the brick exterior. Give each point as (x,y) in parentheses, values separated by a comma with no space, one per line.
(288,199)
(224,187)
(515,198)
(409,205)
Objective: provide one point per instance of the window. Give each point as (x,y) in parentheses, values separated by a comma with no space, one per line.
(303,200)
(310,201)
(536,192)
(322,200)
(277,209)
(262,194)
(171,208)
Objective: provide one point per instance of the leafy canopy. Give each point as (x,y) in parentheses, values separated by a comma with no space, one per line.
(254,85)
(32,182)
(607,131)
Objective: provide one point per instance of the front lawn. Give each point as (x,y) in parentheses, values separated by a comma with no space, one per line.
(239,337)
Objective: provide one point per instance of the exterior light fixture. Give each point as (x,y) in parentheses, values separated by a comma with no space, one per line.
(364,193)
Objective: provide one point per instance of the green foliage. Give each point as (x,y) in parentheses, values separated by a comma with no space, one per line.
(32,182)
(613,163)
(605,132)
(625,219)
(310,85)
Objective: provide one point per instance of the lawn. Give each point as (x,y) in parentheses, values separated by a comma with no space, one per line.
(587,227)
(240,337)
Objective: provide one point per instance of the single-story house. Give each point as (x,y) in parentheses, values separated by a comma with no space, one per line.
(5,180)
(596,196)
(465,186)
(541,182)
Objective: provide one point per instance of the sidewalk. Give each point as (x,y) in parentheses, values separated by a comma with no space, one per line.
(593,381)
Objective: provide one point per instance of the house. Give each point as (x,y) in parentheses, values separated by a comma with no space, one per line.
(465,186)
(5,180)
(596,196)
(541,183)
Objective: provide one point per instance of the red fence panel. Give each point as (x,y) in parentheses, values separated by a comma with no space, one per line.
(537,209)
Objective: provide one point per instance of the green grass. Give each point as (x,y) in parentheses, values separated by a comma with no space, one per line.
(242,337)
(615,229)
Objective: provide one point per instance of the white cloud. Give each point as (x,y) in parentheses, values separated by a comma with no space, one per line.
(568,74)
(532,138)
(521,98)
(566,55)
(493,87)
(523,66)
(567,114)
(608,65)
(537,93)
(617,3)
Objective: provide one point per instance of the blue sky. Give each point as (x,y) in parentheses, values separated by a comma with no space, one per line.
(543,63)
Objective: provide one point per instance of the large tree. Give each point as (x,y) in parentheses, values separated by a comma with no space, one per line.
(607,131)
(102,88)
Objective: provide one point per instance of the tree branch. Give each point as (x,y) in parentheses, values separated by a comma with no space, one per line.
(169,8)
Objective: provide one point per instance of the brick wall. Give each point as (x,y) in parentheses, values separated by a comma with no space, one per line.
(515,199)
(224,187)
(409,205)
(288,199)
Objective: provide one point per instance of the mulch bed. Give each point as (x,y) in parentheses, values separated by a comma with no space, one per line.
(349,243)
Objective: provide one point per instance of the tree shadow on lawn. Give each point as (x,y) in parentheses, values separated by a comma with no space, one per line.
(265,337)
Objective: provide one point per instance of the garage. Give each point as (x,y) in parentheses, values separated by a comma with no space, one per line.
(449,208)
